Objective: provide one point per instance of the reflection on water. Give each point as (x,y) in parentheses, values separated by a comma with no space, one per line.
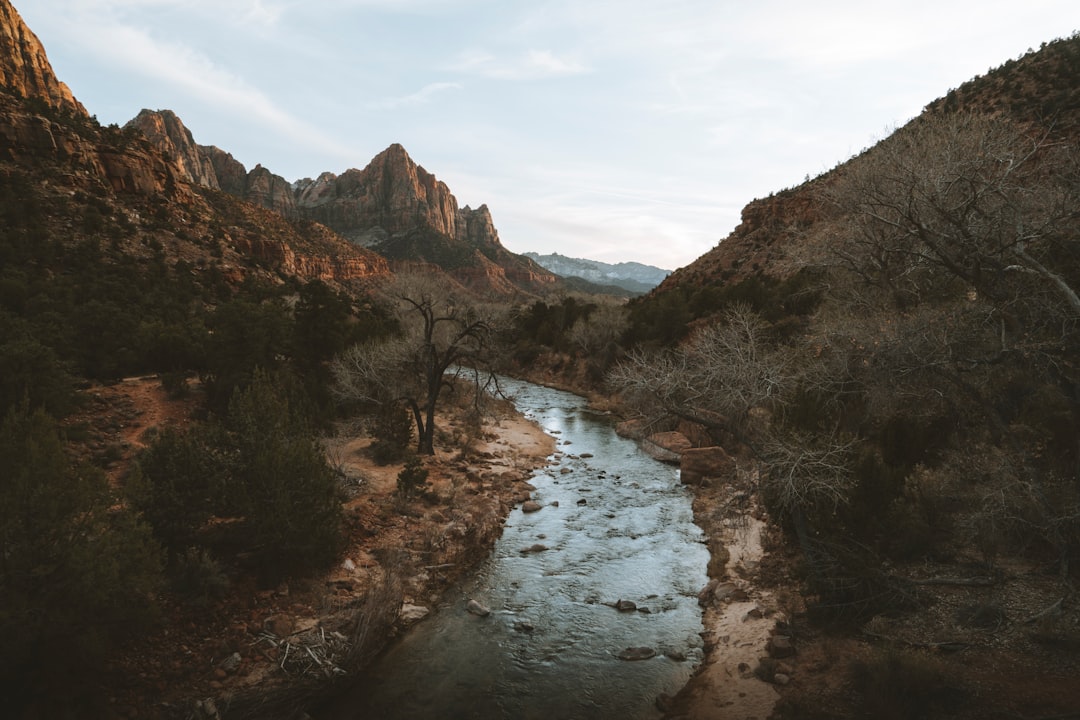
(622,529)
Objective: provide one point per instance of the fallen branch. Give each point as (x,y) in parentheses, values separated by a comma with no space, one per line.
(947,646)
(964,582)
(1054,609)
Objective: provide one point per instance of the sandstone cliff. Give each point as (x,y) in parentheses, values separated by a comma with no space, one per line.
(24,68)
(165,130)
(392,206)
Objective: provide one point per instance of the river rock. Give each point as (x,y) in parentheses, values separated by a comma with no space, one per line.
(410,613)
(780,647)
(477,609)
(626,606)
(633,429)
(698,465)
(637,653)
(231,664)
(280,625)
(531,506)
(534,548)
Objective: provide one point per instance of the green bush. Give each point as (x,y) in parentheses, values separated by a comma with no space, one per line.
(283,485)
(393,431)
(197,576)
(79,572)
(412,478)
(176,484)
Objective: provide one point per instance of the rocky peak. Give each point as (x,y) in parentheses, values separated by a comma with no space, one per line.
(391,196)
(477,228)
(165,130)
(270,191)
(24,67)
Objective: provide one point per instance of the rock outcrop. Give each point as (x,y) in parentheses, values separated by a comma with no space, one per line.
(698,465)
(392,193)
(24,67)
(165,130)
(230,173)
(392,206)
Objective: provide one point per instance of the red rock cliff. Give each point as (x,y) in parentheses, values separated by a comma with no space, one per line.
(25,69)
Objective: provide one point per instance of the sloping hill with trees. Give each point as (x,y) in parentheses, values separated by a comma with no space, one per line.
(894,345)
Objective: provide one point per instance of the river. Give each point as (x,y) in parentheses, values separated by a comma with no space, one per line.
(615,525)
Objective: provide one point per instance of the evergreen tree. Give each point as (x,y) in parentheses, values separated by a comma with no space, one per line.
(77,571)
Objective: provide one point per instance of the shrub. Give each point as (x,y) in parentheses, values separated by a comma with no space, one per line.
(412,478)
(393,431)
(900,685)
(284,486)
(78,573)
(198,577)
(175,483)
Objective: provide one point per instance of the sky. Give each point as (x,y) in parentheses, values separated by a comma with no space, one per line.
(615,130)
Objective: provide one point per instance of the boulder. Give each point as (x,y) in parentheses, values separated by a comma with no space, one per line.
(477,609)
(281,625)
(626,606)
(410,614)
(637,653)
(632,429)
(531,506)
(666,446)
(780,647)
(697,465)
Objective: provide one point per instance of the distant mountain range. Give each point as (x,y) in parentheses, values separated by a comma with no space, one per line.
(632,276)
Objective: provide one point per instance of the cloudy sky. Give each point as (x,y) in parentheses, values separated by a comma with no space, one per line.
(608,129)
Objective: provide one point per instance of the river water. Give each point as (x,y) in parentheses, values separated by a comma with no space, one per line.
(617,525)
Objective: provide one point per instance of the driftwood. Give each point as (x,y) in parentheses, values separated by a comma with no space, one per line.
(1054,609)
(979,581)
(947,646)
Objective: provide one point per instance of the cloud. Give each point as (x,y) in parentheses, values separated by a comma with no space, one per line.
(421,97)
(195,75)
(532,65)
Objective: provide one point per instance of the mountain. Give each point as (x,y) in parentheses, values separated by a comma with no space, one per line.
(632,276)
(392,206)
(1041,88)
(899,336)
(26,70)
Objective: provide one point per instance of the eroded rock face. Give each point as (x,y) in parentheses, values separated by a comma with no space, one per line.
(230,173)
(666,446)
(393,206)
(165,130)
(270,191)
(24,67)
(392,193)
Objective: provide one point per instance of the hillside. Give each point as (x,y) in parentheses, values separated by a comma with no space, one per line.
(1040,88)
(891,346)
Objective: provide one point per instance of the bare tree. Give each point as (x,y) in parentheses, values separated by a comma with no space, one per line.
(442,328)
(716,378)
(972,196)
(601,327)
